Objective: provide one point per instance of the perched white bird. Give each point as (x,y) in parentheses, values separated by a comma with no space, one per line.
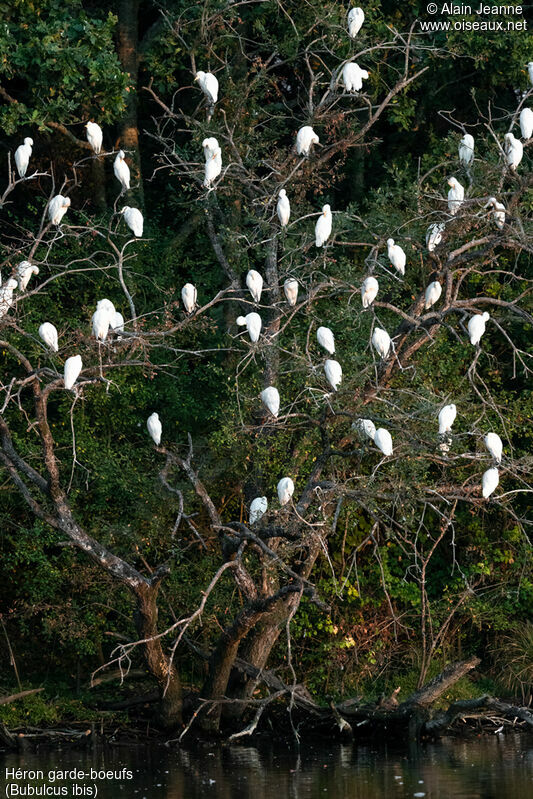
(290,287)
(283,208)
(333,372)
(434,235)
(210,147)
(285,490)
(494,445)
(73,367)
(383,440)
(514,150)
(466,150)
(107,306)
(100,324)
(356,17)
(447,418)
(305,138)
(6,296)
(323,226)
(366,427)
(526,123)
(397,257)
(381,342)
(213,168)
(369,291)
(476,327)
(326,339)
(155,428)
(258,508)
(188,297)
(94,136)
(122,170)
(530,71)
(489,481)
(353,76)
(134,220)
(22,156)
(270,399)
(433,292)
(24,272)
(48,333)
(254,282)
(498,213)
(57,209)
(253,325)
(117,323)
(208,83)
(456,195)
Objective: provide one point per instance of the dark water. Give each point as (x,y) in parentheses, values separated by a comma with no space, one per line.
(495,767)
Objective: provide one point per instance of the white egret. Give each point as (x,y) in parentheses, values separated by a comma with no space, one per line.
(530,71)
(188,297)
(107,306)
(397,256)
(447,418)
(514,150)
(22,156)
(526,123)
(433,292)
(122,170)
(381,342)
(72,369)
(476,327)
(6,295)
(254,282)
(456,195)
(117,323)
(258,508)
(353,76)
(333,372)
(489,481)
(94,136)
(326,339)
(290,287)
(466,150)
(494,445)
(285,490)
(48,333)
(155,428)
(57,209)
(323,226)
(498,213)
(210,147)
(366,427)
(100,324)
(369,291)
(213,168)
(134,220)
(283,208)
(271,400)
(253,325)
(356,17)
(24,272)
(383,440)
(305,138)
(434,235)
(208,83)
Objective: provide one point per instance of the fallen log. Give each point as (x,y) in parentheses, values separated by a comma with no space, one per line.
(484,706)
(6,700)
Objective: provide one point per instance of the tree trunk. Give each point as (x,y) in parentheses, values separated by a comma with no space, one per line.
(128,53)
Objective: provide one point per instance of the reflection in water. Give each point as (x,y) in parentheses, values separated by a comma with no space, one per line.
(495,767)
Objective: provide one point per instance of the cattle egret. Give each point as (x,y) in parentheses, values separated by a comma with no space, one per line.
(323,226)
(22,156)
(155,428)
(73,367)
(290,287)
(514,150)
(100,324)
(117,322)
(489,481)
(397,256)
(213,167)
(494,445)
(446,418)
(94,136)
(208,83)
(24,272)
(369,291)
(498,213)
(381,342)
(107,306)
(383,440)
(270,399)
(333,372)
(476,327)
(210,147)
(134,220)
(188,297)
(356,17)
(57,209)
(466,150)
(526,123)
(366,427)
(353,76)
(258,508)
(283,208)
(6,295)
(253,325)
(285,490)
(326,339)
(456,195)
(254,282)
(122,170)
(433,292)
(305,138)
(434,235)
(48,333)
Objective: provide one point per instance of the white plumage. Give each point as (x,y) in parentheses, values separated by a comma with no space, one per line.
(514,150)
(188,297)
(57,209)
(155,428)
(498,213)
(122,170)
(494,445)
(48,334)
(134,220)
(210,146)
(73,367)
(526,123)
(213,167)
(208,83)
(356,17)
(305,138)
(476,327)
(100,324)
(433,292)
(270,399)
(397,256)
(353,76)
(22,156)
(381,342)
(326,339)
(530,71)
(383,440)
(258,508)
(369,291)
(107,306)
(283,208)
(323,226)
(489,481)
(466,150)
(447,418)
(333,372)
(94,136)
(434,235)
(366,427)
(253,325)
(290,287)
(117,322)
(254,282)
(24,272)
(456,196)
(6,296)
(285,490)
